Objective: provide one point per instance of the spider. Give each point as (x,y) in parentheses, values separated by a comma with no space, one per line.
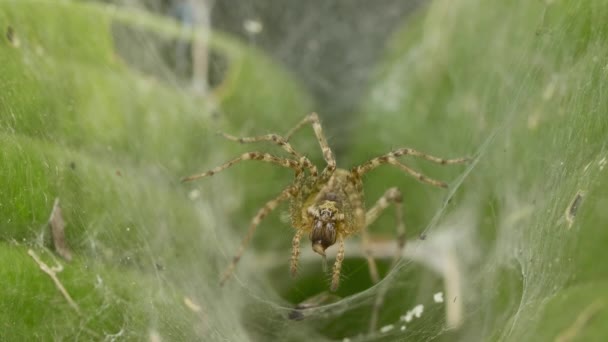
(327,206)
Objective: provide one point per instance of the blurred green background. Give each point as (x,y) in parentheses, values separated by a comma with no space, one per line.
(99,108)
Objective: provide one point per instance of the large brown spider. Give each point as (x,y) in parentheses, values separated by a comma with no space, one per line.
(329,206)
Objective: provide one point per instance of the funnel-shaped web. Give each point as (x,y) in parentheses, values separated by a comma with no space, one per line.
(104,107)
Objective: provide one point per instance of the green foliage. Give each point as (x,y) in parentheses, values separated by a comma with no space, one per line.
(79,124)
(91,114)
(522,86)
(114,301)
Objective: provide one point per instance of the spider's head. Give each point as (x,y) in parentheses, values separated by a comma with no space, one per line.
(325,218)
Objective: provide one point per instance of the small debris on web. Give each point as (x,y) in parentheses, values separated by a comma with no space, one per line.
(415,312)
(10,33)
(296,315)
(192,305)
(386,328)
(573,207)
(194,194)
(418,310)
(57,225)
(402,328)
(12,37)
(98,281)
(253,26)
(438,297)
(154,336)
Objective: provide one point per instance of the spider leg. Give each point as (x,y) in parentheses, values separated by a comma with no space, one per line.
(295,252)
(391,196)
(328,155)
(415,153)
(335,279)
(262,212)
(391,158)
(278,140)
(298,127)
(265,157)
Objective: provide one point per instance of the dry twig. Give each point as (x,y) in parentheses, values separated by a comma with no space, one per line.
(52,272)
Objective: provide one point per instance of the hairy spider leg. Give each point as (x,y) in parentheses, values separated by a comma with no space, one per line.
(391,196)
(391,158)
(305,121)
(265,157)
(295,252)
(325,178)
(262,213)
(328,155)
(280,141)
(335,279)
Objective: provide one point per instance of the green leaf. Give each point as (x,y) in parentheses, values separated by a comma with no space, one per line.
(521,86)
(80,122)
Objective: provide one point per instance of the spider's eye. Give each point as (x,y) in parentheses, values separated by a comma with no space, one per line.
(326,214)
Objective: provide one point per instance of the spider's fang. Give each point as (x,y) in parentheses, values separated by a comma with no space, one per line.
(317,246)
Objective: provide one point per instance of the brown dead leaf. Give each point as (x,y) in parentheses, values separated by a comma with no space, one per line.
(57,225)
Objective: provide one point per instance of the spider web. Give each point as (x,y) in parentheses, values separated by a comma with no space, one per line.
(105,106)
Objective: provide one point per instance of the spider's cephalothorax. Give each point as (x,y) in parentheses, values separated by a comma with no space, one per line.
(329,210)
(328,205)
